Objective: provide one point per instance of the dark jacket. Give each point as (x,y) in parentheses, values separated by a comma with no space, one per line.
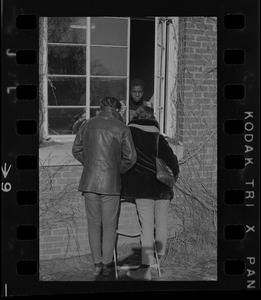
(104,146)
(140,181)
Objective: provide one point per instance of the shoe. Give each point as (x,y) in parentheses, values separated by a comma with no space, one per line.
(140,274)
(97,269)
(108,269)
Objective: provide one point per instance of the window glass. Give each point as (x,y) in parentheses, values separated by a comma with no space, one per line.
(103,87)
(67,60)
(108,61)
(64,30)
(66,91)
(61,120)
(78,21)
(109,31)
(67,68)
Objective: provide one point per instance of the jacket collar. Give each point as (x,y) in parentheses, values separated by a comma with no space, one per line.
(148,122)
(109,112)
(145,125)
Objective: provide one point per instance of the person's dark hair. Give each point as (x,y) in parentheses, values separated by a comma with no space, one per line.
(137,82)
(144,112)
(111,102)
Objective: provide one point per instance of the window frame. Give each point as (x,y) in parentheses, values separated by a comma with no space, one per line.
(45,75)
(165,73)
(159,71)
(161,109)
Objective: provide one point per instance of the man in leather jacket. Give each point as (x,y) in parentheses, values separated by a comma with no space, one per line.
(105,148)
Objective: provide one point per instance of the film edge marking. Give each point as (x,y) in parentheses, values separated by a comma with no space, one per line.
(250,194)
(6,186)
(249,137)
(251,282)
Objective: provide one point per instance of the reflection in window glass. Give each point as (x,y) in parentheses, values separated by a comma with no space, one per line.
(61,120)
(67,60)
(66,91)
(108,31)
(103,87)
(78,21)
(76,36)
(108,61)
(62,30)
(67,68)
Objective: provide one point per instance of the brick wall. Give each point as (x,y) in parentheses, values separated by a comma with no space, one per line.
(62,220)
(197,99)
(63,223)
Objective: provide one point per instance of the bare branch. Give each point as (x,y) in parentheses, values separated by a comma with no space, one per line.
(195,197)
(197,151)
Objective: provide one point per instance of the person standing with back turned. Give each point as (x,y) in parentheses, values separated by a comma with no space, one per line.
(151,196)
(104,146)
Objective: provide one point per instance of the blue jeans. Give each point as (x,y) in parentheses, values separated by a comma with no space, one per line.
(102,216)
(153,216)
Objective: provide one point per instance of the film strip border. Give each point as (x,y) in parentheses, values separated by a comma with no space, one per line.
(20,109)
(238,148)
(238,159)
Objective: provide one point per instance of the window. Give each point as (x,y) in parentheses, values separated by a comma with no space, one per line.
(166,67)
(86,58)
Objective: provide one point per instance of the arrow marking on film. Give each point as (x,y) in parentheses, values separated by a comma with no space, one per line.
(4,171)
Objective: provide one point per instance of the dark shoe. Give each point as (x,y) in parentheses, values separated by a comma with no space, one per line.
(97,269)
(108,269)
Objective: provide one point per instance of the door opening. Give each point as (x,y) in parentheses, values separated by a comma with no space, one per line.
(142,43)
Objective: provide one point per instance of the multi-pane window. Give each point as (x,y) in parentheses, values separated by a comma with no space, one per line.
(87,58)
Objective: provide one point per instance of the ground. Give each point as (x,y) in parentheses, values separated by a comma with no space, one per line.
(178,266)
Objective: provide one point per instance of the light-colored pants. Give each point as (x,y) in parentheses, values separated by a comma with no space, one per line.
(153,216)
(102,216)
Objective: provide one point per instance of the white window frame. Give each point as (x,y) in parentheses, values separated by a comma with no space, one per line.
(43,71)
(159,70)
(165,73)
(87,76)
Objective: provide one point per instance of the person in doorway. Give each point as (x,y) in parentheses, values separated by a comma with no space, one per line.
(152,196)
(136,98)
(105,148)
